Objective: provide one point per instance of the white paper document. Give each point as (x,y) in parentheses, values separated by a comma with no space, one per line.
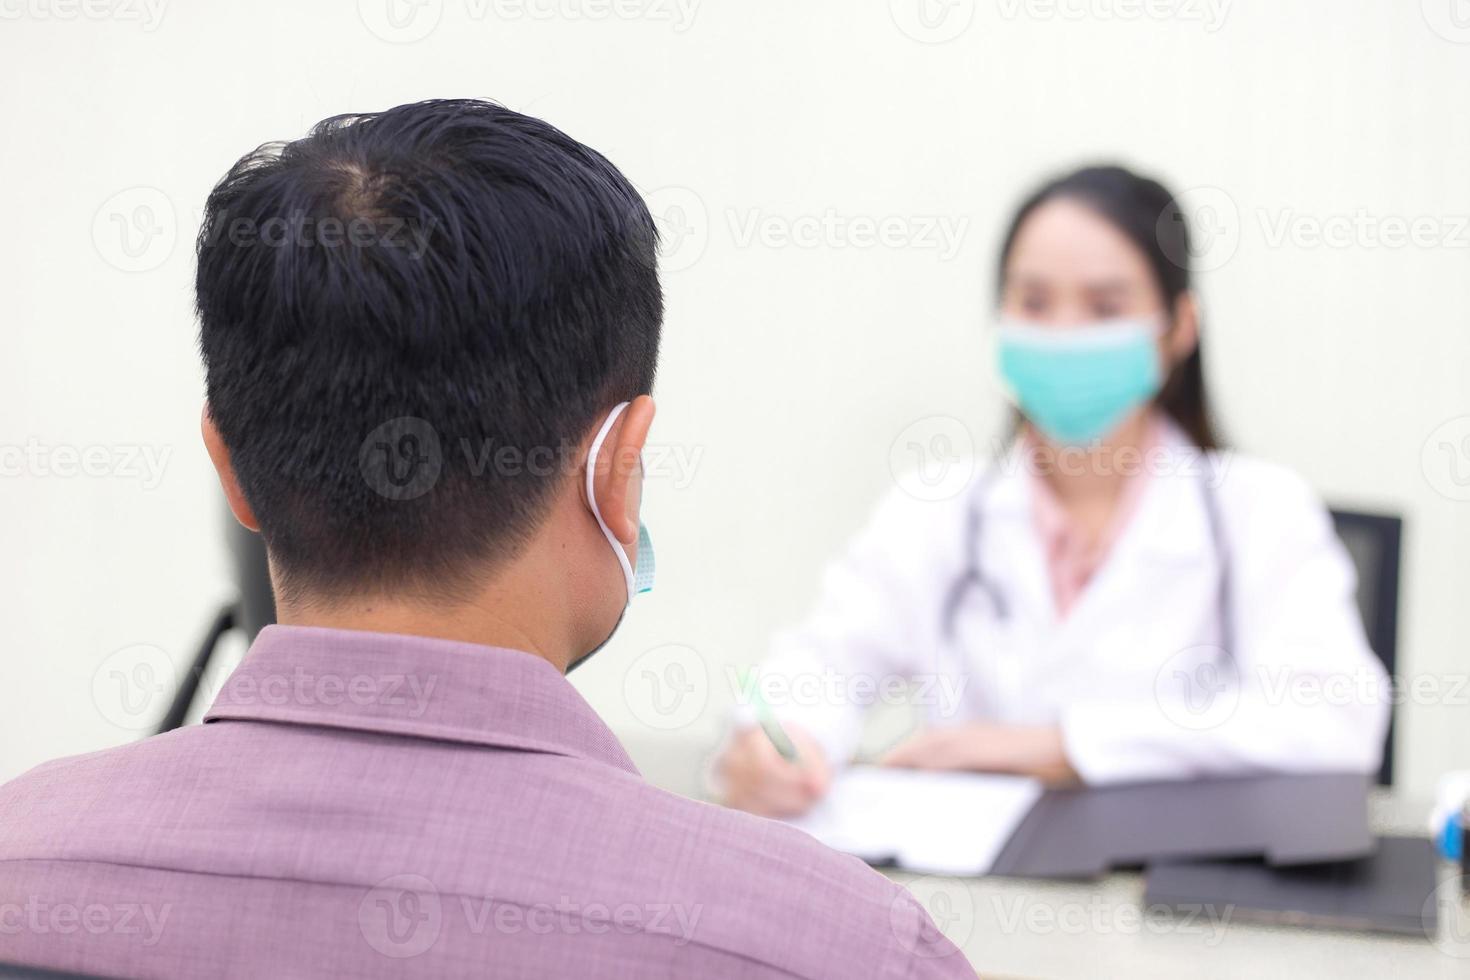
(949,823)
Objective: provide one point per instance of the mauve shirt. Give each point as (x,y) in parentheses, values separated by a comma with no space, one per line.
(370,805)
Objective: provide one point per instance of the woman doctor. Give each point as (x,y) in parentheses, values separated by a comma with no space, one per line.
(1117,598)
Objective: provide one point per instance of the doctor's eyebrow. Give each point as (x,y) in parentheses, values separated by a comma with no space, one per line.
(1110,288)
(1032,283)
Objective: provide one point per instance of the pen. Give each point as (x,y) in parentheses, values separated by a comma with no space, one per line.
(766,718)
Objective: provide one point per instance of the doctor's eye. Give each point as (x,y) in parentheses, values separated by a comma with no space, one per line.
(1033,303)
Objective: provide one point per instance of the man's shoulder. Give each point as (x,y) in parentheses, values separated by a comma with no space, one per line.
(774,893)
(87,771)
(543,833)
(46,801)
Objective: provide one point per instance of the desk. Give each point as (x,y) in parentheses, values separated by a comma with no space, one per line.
(1058,930)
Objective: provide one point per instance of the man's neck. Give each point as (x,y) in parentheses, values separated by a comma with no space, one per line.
(375,616)
(538,601)
(514,611)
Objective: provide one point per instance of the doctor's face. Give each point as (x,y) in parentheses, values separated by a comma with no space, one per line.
(1069,266)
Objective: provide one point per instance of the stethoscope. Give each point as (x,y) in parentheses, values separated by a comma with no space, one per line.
(973,577)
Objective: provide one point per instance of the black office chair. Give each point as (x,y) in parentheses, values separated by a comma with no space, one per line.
(1375,542)
(12,970)
(250,612)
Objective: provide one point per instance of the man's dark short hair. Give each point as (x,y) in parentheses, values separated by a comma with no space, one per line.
(408,320)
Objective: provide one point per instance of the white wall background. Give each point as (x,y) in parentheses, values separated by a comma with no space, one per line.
(789,371)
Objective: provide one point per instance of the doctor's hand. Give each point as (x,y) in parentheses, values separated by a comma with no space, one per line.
(1022,750)
(752,776)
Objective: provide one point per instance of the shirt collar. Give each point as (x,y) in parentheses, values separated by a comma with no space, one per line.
(415,687)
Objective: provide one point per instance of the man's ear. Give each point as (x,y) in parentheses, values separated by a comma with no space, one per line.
(219,454)
(1184,338)
(618,482)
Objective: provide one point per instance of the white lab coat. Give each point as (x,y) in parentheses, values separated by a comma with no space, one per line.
(1134,674)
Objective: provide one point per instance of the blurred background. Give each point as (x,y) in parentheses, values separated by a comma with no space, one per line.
(832,179)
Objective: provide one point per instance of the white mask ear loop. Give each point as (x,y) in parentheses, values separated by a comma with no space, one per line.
(617,545)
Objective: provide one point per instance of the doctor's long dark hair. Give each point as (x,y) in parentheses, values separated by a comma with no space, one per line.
(1150,216)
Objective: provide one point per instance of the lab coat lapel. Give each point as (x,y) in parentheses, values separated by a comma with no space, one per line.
(1013,550)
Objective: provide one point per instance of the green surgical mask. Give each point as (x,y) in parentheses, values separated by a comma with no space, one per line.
(1077,384)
